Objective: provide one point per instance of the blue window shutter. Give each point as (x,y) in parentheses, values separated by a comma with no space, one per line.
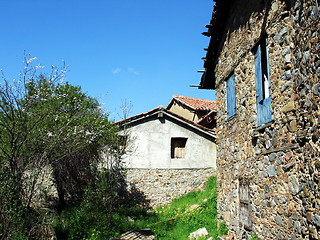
(258,72)
(264,111)
(263,102)
(231,96)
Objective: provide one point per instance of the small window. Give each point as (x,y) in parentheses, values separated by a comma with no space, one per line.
(263,86)
(245,206)
(178,147)
(231,96)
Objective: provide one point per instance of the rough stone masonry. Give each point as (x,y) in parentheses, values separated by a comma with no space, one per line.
(161,186)
(269,175)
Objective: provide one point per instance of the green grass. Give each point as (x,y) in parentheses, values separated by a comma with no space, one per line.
(175,221)
(178,220)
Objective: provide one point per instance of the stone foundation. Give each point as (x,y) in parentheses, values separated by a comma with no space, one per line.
(161,186)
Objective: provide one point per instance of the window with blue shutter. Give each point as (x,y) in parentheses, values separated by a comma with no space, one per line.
(263,91)
(231,96)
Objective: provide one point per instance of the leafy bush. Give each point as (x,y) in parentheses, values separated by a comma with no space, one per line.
(45,122)
(99,215)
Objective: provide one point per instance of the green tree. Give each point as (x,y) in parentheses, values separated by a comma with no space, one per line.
(74,134)
(45,122)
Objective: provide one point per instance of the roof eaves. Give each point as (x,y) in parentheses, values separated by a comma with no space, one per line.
(191,123)
(170,114)
(139,116)
(218,19)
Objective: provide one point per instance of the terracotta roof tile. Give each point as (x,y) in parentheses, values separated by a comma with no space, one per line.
(196,103)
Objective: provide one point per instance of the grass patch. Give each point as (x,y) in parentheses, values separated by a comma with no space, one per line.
(186,214)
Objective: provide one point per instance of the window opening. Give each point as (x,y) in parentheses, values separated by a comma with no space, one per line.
(231,96)
(264,69)
(178,147)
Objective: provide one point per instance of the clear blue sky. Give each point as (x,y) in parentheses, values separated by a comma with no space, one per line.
(141,51)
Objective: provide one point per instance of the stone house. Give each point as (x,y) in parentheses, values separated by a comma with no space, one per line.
(167,154)
(263,61)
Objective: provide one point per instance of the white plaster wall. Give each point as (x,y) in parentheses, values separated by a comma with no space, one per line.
(150,147)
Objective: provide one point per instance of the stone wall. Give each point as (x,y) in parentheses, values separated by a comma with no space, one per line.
(160,186)
(280,160)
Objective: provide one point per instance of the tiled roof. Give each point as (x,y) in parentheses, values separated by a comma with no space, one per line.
(196,103)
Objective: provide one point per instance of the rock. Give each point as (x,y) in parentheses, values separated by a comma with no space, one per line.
(274,6)
(266,188)
(313,232)
(201,232)
(253,118)
(316,89)
(193,207)
(234,193)
(297,226)
(264,203)
(286,51)
(293,126)
(294,185)
(314,13)
(282,32)
(286,86)
(257,150)
(274,142)
(288,58)
(309,216)
(289,107)
(283,200)
(288,166)
(306,57)
(271,171)
(268,144)
(279,221)
(293,237)
(279,161)
(272,157)
(287,75)
(140,234)
(317,164)
(316,220)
